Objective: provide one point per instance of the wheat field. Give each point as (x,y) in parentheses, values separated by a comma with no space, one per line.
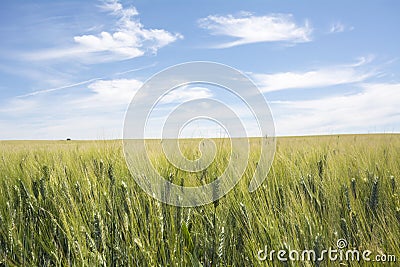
(74,203)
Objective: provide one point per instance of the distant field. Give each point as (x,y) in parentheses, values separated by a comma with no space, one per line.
(75,203)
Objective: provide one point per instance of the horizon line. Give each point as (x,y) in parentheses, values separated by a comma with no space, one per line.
(195,138)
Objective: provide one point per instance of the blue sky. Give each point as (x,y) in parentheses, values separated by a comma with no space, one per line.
(70,68)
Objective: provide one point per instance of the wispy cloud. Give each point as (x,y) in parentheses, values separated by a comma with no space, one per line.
(117,93)
(186,93)
(374,107)
(71,85)
(248,28)
(317,78)
(94,112)
(120,92)
(338,27)
(38,92)
(130,39)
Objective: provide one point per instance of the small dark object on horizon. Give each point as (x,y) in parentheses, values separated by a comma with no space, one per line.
(68,139)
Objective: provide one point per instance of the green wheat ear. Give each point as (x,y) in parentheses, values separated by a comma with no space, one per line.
(35,189)
(220,251)
(393,184)
(353,187)
(46,172)
(215,193)
(344,227)
(111,174)
(374,197)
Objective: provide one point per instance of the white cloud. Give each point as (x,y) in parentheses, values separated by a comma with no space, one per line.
(16,106)
(338,27)
(119,93)
(76,84)
(106,93)
(322,77)
(130,39)
(248,28)
(185,93)
(96,114)
(375,108)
